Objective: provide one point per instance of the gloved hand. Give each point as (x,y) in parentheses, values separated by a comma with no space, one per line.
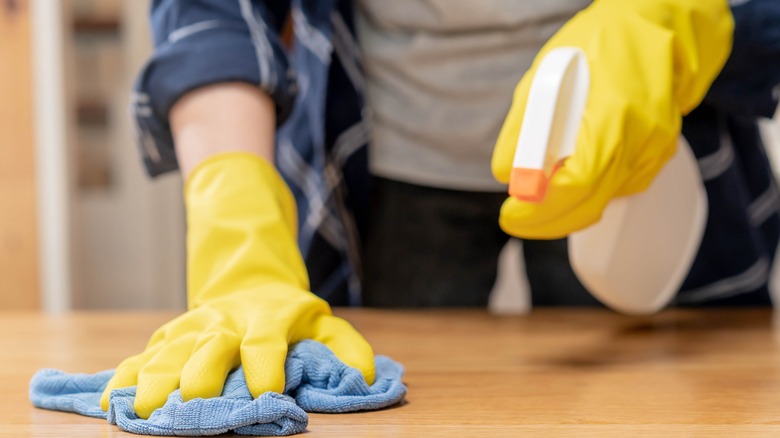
(651,62)
(248,293)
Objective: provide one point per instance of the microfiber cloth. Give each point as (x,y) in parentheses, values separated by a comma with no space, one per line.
(316,381)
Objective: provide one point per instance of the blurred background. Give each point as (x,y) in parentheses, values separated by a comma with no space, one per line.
(81,226)
(100,234)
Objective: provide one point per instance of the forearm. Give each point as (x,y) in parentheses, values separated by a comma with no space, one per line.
(226,117)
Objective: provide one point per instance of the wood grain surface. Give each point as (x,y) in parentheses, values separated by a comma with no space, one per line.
(555,372)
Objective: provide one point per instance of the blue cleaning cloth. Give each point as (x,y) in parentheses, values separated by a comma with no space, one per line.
(316,381)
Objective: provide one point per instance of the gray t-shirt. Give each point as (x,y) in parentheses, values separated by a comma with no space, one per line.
(440,76)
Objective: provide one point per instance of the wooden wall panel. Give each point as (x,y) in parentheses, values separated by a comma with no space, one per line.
(19,287)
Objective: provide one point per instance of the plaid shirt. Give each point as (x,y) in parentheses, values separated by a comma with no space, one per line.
(318,88)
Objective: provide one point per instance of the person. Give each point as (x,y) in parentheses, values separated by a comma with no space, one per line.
(284,217)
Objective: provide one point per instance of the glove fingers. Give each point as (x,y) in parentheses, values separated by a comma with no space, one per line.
(504,152)
(126,373)
(577,193)
(347,344)
(645,172)
(216,353)
(160,376)
(518,219)
(263,353)
(572,203)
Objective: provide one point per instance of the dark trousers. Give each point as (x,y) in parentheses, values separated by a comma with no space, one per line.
(430,247)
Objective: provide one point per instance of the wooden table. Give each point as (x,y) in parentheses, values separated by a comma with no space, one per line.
(552,373)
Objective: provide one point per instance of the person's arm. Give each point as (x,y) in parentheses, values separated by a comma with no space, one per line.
(228,117)
(205,43)
(247,286)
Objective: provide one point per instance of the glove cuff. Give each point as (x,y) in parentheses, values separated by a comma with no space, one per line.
(241,228)
(702,34)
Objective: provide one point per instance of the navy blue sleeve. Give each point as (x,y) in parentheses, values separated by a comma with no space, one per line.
(749,84)
(203,42)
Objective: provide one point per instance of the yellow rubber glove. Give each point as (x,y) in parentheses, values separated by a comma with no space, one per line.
(247,293)
(651,61)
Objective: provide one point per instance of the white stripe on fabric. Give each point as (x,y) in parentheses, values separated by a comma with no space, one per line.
(333,175)
(143,111)
(296,170)
(350,231)
(293,164)
(139,105)
(310,36)
(327,225)
(341,29)
(149,146)
(333,179)
(347,51)
(136,97)
(749,280)
(349,141)
(191,29)
(263,49)
(765,205)
(734,3)
(319,218)
(713,165)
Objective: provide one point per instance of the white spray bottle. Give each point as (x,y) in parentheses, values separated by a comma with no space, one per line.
(637,256)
